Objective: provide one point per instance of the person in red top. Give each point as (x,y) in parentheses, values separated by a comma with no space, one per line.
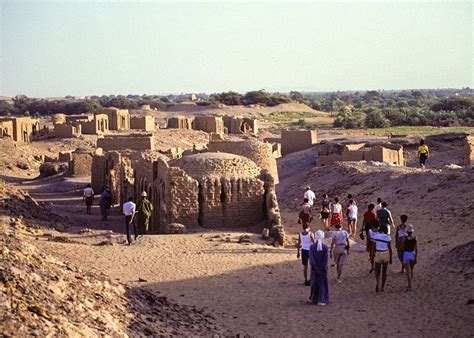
(305,216)
(370,220)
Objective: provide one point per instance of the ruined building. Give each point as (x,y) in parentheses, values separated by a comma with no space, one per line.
(146,123)
(97,126)
(135,142)
(212,189)
(20,129)
(240,125)
(383,152)
(262,153)
(118,119)
(216,124)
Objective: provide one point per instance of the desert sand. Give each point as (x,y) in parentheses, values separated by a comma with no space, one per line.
(257,289)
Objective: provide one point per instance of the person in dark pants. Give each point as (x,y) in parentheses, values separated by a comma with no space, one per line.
(128,210)
(105,202)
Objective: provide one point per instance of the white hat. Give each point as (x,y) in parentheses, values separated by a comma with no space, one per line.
(144,194)
(410,228)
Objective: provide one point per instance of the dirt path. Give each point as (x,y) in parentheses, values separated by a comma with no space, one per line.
(257,289)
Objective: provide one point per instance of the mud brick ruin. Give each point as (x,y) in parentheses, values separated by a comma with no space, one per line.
(137,142)
(296,140)
(215,124)
(146,123)
(20,129)
(383,152)
(209,189)
(80,162)
(100,123)
(118,119)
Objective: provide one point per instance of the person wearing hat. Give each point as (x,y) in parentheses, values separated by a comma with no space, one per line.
(144,210)
(410,253)
(309,194)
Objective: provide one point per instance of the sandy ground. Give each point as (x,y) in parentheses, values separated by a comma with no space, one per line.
(257,289)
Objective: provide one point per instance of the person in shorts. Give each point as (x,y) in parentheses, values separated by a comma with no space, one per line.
(325,203)
(305,240)
(410,254)
(382,253)
(339,249)
(352,211)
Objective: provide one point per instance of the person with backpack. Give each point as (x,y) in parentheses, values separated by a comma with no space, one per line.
(305,215)
(305,240)
(325,203)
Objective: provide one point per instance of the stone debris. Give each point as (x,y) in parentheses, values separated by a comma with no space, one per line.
(177,228)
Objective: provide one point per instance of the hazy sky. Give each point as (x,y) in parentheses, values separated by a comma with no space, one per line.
(86,48)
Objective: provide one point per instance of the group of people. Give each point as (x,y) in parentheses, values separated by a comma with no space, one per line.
(137,219)
(376,229)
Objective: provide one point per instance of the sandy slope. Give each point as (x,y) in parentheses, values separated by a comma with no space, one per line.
(257,289)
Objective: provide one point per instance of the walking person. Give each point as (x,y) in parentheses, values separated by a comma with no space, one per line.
(346,205)
(378,206)
(382,255)
(325,204)
(369,224)
(352,211)
(400,235)
(144,212)
(339,249)
(384,217)
(129,209)
(423,152)
(88,198)
(309,194)
(305,215)
(410,254)
(336,212)
(105,202)
(318,257)
(305,240)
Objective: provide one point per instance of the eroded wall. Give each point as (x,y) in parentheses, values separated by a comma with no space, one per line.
(297,140)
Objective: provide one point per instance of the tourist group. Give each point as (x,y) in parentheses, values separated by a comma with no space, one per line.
(376,230)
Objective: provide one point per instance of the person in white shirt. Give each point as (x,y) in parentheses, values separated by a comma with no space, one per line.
(339,249)
(128,210)
(352,217)
(88,198)
(305,239)
(309,194)
(382,249)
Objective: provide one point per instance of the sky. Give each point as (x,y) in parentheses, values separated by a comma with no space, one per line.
(51,49)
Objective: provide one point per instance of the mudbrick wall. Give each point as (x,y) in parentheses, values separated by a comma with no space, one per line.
(123,142)
(80,163)
(296,140)
(210,124)
(180,122)
(146,123)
